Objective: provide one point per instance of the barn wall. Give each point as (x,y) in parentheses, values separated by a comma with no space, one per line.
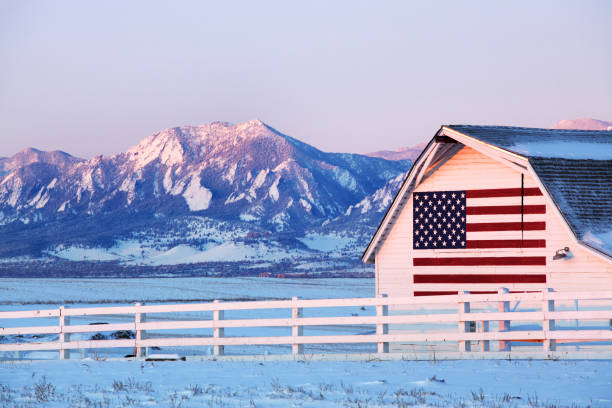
(468,170)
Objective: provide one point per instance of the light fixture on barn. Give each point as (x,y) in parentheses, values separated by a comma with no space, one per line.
(563,253)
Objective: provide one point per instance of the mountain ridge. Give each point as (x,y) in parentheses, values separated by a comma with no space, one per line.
(238,181)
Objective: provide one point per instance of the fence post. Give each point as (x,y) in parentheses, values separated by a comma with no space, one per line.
(548,325)
(140,334)
(486,344)
(504,325)
(218,332)
(64,337)
(296,330)
(465,326)
(382,328)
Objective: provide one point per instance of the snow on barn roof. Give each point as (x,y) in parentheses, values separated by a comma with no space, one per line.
(533,142)
(574,166)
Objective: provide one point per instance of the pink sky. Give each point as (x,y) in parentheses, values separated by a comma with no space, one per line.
(96,77)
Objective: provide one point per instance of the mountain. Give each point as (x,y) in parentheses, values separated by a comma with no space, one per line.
(403,153)
(188,195)
(583,124)
(30,155)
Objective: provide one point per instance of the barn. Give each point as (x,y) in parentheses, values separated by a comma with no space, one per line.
(485,207)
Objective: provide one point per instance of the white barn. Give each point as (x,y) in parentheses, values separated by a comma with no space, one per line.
(485,207)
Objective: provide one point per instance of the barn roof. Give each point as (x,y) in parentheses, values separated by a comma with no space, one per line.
(574,167)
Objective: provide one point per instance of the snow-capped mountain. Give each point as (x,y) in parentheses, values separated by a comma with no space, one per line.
(583,124)
(248,171)
(247,177)
(403,153)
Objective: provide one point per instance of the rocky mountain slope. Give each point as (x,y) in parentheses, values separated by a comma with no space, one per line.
(244,192)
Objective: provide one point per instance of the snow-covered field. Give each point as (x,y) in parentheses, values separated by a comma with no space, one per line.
(66,291)
(186,384)
(195,383)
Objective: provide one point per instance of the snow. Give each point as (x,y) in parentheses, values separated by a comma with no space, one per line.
(187,384)
(345,179)
(43,200)
(601,241)
(325,243)
(260,179)
(248,217)
(567,150)
(51,292)
(197,197)
(273,192)
(163,146)
(502,384)
(306,205)
(285,165)
(39,199)
(156,182)
(180,254)
(231,173)
(129,186)
(83,254)
(167,183)
(62,207)
(267,382)
(225,252)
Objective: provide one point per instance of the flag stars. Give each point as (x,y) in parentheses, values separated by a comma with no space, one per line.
(439,220)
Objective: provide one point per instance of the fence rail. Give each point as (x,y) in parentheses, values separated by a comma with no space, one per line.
(458,310)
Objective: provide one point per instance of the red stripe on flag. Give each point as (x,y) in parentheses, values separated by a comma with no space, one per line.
(472,292)
(506,209)
(481,261)
(434,293)
(506,243)
(505,226)
(493,278)
(503,192)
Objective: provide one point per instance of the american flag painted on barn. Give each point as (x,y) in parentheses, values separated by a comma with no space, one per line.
(501,229)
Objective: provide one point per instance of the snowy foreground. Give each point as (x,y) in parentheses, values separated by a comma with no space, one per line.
(264,383)
(90,383)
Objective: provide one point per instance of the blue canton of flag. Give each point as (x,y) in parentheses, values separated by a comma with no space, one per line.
(439,220)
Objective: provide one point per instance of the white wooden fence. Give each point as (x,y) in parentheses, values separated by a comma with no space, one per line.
(460,312)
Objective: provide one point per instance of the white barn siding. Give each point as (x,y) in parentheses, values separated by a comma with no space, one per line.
(469,170)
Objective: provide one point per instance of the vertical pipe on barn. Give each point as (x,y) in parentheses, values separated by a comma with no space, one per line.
(464,325)
(504,325)
(296,329)
(64,337)
(382,328)
(140,334)
(522,208)
(548,325)
(218,332)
